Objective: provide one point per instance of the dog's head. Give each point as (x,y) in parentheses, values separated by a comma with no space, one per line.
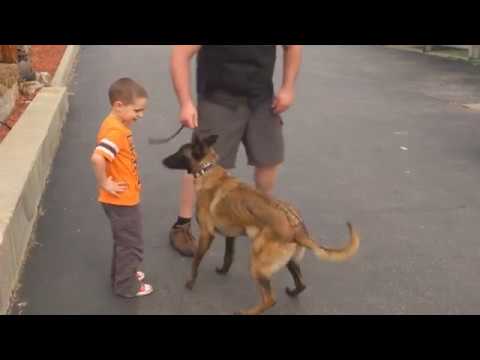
(191,155)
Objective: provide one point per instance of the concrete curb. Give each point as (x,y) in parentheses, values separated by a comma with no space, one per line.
(473,107)
(64,68)
(27,154)
(434,53)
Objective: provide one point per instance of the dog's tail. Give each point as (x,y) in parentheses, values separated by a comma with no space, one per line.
(334,255)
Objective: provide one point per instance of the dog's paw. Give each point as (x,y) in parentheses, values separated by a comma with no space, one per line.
(189,284)
(221,271)
(295,292)
(290,292)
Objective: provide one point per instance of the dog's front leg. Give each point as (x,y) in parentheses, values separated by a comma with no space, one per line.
(228,257)
(205,240)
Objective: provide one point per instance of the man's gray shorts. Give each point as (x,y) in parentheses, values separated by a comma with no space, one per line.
(259,129)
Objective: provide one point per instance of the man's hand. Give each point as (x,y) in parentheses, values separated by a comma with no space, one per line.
(114,188)
(189,115)
(292,57)
(283,100)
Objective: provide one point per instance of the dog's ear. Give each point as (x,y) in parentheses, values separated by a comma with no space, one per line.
(209,141)
(198,147)
(195,139)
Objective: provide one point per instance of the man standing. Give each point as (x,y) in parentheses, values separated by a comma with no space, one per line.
(236,100)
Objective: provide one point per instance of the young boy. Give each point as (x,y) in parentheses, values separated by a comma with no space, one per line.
(114,162)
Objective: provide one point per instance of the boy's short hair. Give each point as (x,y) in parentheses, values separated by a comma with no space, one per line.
(126,90)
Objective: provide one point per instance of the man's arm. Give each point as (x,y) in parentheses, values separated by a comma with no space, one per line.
(181,57)
(292,59)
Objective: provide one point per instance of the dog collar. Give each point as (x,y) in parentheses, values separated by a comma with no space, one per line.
(204,169)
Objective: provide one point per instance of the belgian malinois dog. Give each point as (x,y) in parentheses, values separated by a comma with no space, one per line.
(231,208)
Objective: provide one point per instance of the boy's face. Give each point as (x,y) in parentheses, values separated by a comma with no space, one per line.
(130,113)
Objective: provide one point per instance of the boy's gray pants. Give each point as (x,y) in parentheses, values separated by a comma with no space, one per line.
(126,223)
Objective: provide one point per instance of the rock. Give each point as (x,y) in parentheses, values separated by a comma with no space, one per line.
(30,88)
(26,72)
(23,52)
(43,78)
(8,76)
(7,101)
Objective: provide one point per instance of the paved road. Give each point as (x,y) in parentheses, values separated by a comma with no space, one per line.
(378,137)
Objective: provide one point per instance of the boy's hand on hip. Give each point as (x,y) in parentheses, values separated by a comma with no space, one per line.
(114,188)
(189,115)
(283,100)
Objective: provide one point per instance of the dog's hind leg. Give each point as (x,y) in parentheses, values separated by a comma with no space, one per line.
(293,267)
(294,270)
(268,299)
(228,257)
(268,257)
(205,240)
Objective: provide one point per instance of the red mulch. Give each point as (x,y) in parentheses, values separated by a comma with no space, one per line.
(47,57)
(44,58)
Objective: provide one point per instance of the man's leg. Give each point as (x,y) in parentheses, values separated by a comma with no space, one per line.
(187,197)
(266,178)
(264,144)
(214,119)
(181,237)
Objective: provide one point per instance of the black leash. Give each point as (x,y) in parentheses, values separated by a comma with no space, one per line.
(156,141)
